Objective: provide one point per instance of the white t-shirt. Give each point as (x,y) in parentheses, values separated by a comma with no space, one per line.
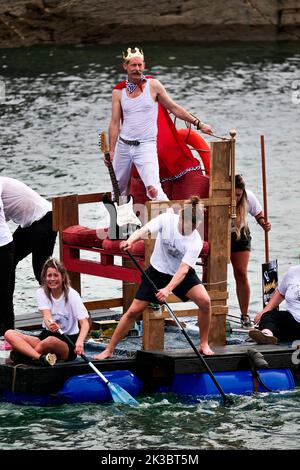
(66,314)
(171,247)
(290,289)
(22,204)
(5,233)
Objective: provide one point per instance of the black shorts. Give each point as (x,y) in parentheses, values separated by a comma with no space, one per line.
(146,290)
(243,244)
(46,333)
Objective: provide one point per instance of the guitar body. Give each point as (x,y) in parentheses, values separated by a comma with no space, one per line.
(123,221)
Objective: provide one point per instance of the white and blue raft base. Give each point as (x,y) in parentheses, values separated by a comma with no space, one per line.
(89,388)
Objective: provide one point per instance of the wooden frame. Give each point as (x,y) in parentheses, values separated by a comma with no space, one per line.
(66,213)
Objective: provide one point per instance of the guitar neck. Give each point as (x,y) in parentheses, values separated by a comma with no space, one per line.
(113,178)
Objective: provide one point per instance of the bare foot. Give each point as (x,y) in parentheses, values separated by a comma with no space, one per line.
(205,349)
(104,355)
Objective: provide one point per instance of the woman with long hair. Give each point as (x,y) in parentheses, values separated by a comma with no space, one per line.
(62,308)
(177,248)
(246,203)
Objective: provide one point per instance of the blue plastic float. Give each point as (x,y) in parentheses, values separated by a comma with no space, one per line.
(89,388)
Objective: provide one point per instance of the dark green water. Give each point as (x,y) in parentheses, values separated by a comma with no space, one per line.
(57,99)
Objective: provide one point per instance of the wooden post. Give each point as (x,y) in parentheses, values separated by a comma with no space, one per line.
(65,214)
(219,238)
(153,330)
(128,288)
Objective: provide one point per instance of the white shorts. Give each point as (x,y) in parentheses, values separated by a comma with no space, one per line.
(144,157)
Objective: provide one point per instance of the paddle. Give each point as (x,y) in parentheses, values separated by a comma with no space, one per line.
(119,395)
(269,268)
(227,400)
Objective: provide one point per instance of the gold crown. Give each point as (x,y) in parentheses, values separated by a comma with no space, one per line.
(131,53)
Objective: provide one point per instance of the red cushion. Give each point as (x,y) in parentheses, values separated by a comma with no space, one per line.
(84,236)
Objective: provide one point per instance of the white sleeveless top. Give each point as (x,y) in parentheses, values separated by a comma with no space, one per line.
(139,116)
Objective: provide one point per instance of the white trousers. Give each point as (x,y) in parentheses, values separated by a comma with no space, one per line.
(144,157)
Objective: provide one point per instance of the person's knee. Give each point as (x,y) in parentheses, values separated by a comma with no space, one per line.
(241,275)
(47,343)
(204,304)
(133,312)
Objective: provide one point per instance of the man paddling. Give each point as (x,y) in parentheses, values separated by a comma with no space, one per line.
(133,125)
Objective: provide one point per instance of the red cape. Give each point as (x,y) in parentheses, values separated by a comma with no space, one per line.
(174,156)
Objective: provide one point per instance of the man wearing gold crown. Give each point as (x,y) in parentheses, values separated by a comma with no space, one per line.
(133,125)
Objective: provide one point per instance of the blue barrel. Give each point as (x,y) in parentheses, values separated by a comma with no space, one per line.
(90,387)
(239,382)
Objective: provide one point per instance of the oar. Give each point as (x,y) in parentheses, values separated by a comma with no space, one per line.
(227,400)
(119,395)
(269,268)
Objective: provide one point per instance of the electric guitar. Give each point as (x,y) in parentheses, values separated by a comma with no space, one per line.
(123,221)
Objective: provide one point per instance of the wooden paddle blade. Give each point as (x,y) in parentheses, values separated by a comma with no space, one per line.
(269,280)
(119,395)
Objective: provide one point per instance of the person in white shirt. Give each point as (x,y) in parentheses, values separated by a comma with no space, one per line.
(34,234)
(246,203)
(62,308)
(135,103)
(175,253)
(280,325)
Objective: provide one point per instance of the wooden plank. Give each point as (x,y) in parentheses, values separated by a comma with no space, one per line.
(45,380)
(156,208)
(218,217)
(129,288)
(90,198)
(228,358)
(105,303)
(153,330)
(34,320)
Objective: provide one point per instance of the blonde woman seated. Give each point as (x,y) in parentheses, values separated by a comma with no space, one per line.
(62,308)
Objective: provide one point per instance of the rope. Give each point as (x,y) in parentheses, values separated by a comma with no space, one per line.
(213,283)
